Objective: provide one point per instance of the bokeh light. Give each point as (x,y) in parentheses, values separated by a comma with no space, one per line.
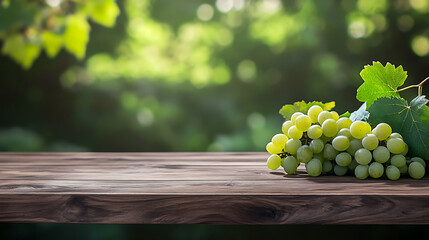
(205,12)
(420,45)
(224,5)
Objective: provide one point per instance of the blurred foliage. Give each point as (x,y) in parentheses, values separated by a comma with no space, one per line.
(191,75)
(28,26)
(47,231)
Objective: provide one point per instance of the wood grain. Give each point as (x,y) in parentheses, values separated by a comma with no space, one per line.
(216,188)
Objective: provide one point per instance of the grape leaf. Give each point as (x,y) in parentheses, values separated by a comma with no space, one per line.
(346,114)
(411,121)
(287,110)
(380,81)
(361,114)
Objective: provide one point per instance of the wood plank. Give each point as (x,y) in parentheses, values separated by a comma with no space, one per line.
(170,188)
(222,209)
(298,186)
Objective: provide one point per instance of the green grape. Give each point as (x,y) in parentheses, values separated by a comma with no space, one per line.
(355,144)
(285,127)
(327,167)
(398,160)
(314,167)
(382,131)
(363,156)
(403,153)
(304,154)
(353,165)
(329,153)
(335,115)
(324,115)
(345,132)
(329,128)
(381,154)
(376,170)
(370,142)
(395,135)
(295,115)
(279,140)
(317,145)
(325,139)
(343,159)
(344,123)
(358,129)
(273,161)
(395,145)
(319,156)
(361,171)
(404,169)
(340,171)
(272,149)
(315,132)
(290,164)
(393,173)
(303,123)
(420,160)
(416,170)
(294,133)
(367,128)
(292,146)
(341,143)
(313,112)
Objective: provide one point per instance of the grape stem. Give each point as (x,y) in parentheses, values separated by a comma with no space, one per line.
(419,86)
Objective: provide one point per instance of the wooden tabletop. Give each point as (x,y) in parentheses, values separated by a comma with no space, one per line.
(215,188)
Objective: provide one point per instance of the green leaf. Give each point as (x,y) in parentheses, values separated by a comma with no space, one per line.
(346,114)
(361,114)
(380,81)
(31,53)
(287,110)
(14,46)
(103,12)
(76,35)
(20,51)
(52,43)
(411,121)
(16,14)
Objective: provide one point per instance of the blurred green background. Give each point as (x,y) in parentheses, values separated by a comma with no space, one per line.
(189,75)
(142,75)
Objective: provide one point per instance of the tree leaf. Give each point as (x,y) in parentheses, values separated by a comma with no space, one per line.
(361,114)
(14,46)
(76,35)
(287,110)
(380,82)
(103,12)
(411,121)
(52,43)
(32,51)
(21,51)
(17,14)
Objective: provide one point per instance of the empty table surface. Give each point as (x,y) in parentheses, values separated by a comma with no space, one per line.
(184,187)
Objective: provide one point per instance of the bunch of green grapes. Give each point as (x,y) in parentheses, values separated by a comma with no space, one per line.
(328,144)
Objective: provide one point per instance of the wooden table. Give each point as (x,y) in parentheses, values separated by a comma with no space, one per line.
(216,188)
